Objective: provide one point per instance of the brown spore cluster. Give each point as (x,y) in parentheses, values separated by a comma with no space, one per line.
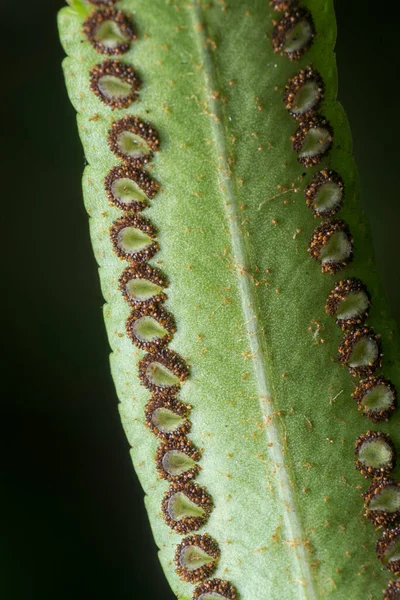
(387,549)
(321,237)
(187,548)
(216,586)
(120,20)
(348,346)
(167,401)
(168,359)
(376,413)
(294,33)
(312,125)
(117,71)
(151,310)
(382,516)
(137,223)
(320,180)
(186,523)
(145,273)
(296,84)
(392,591)
(340,293)
(139,177)
(181,445)
(143,130)
(379,465)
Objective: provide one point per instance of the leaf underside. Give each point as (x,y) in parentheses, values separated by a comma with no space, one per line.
(272,408)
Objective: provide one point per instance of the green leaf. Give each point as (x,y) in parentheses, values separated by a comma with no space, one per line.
(272,408)
(78,7)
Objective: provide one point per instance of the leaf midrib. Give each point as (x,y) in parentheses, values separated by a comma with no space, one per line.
(256,338)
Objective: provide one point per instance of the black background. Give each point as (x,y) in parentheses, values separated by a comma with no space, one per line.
(74,521)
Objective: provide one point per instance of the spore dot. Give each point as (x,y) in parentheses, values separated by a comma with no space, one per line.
(360,350)
(133,140)
(388,549)
(109,31)
(304,93)
(375,454)
(196,558)
(129,187)
(349,302)
(382,502)
(177,459)
(294,33)
(376,397)
(163,370)
(141,283)
(312,140)
(186,507)
(332,246)
(133,238)
(325,193)
(149,326)
(168,420)
(115,83)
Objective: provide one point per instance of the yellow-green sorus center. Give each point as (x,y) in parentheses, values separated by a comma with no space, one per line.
(167,421)
(328,196)
(149,329)
(387,500)
(181,507)
(298,37)
(378,398)
(132,145)
(110,35)
(193,557)
(337,248)
(365,352)
(114,87)
(211,596)
(306,98)
(127,191)
(316,141)
(132,239)
(176,463)
(375,454)
(142,289)
(160,375)
(393,552)
(355,303)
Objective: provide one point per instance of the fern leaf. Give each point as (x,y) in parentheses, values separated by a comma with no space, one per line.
(219,166)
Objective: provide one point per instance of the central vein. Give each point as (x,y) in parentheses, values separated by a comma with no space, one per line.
(257,342)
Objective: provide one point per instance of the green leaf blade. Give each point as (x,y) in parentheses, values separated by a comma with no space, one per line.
(272,408)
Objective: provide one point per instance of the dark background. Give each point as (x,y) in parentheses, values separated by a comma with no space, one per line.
(74,521)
